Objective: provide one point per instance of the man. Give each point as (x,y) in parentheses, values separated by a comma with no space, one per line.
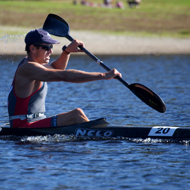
(26,100)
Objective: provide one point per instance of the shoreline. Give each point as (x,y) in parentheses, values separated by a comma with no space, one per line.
(105,44)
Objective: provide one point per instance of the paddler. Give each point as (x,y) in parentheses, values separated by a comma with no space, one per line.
(26,100)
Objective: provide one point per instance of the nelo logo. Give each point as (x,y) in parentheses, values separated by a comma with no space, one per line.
(93,133)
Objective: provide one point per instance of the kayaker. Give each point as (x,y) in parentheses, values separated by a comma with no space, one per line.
(26,100)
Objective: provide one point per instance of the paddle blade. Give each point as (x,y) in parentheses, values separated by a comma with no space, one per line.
(148,97)
(56,26)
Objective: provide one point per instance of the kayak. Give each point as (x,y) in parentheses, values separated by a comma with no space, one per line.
(100,128)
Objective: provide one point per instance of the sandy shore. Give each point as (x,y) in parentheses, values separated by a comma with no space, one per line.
(98,43)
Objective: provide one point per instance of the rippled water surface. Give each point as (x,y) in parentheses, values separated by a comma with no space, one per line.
(64,162)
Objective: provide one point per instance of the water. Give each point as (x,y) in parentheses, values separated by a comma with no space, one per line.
(63,162)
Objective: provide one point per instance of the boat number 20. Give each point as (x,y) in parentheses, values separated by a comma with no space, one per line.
(162,131)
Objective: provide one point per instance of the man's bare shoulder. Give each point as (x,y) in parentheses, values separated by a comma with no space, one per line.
(29,64)
(25,82)
(29,67)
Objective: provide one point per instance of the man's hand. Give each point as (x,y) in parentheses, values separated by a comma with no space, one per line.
(73,46)
(112,74)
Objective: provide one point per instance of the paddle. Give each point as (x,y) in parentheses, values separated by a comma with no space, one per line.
(57,26)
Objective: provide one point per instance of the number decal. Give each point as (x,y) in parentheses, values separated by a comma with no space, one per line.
(159,131)
(162,131)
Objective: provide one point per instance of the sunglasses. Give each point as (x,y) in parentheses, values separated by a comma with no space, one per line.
(45,47)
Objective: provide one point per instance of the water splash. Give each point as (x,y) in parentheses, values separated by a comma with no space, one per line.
(155,141)
(71,138)
(12,45)
(48,138)
(57,138)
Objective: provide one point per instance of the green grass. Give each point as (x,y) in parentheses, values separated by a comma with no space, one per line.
(154,17)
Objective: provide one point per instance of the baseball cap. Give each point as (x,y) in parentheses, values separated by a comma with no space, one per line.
(39,36)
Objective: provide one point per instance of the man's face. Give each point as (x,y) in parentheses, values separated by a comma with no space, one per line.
(43,52)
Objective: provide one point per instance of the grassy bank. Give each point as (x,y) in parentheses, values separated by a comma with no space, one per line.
(154,17)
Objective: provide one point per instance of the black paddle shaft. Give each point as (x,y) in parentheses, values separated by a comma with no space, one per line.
(57,26)
(97,60)
(89,54)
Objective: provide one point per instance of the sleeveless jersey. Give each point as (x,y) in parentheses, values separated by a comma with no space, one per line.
(35,103)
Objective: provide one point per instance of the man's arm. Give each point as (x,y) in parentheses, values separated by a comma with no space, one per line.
(35,71)
(62,61)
